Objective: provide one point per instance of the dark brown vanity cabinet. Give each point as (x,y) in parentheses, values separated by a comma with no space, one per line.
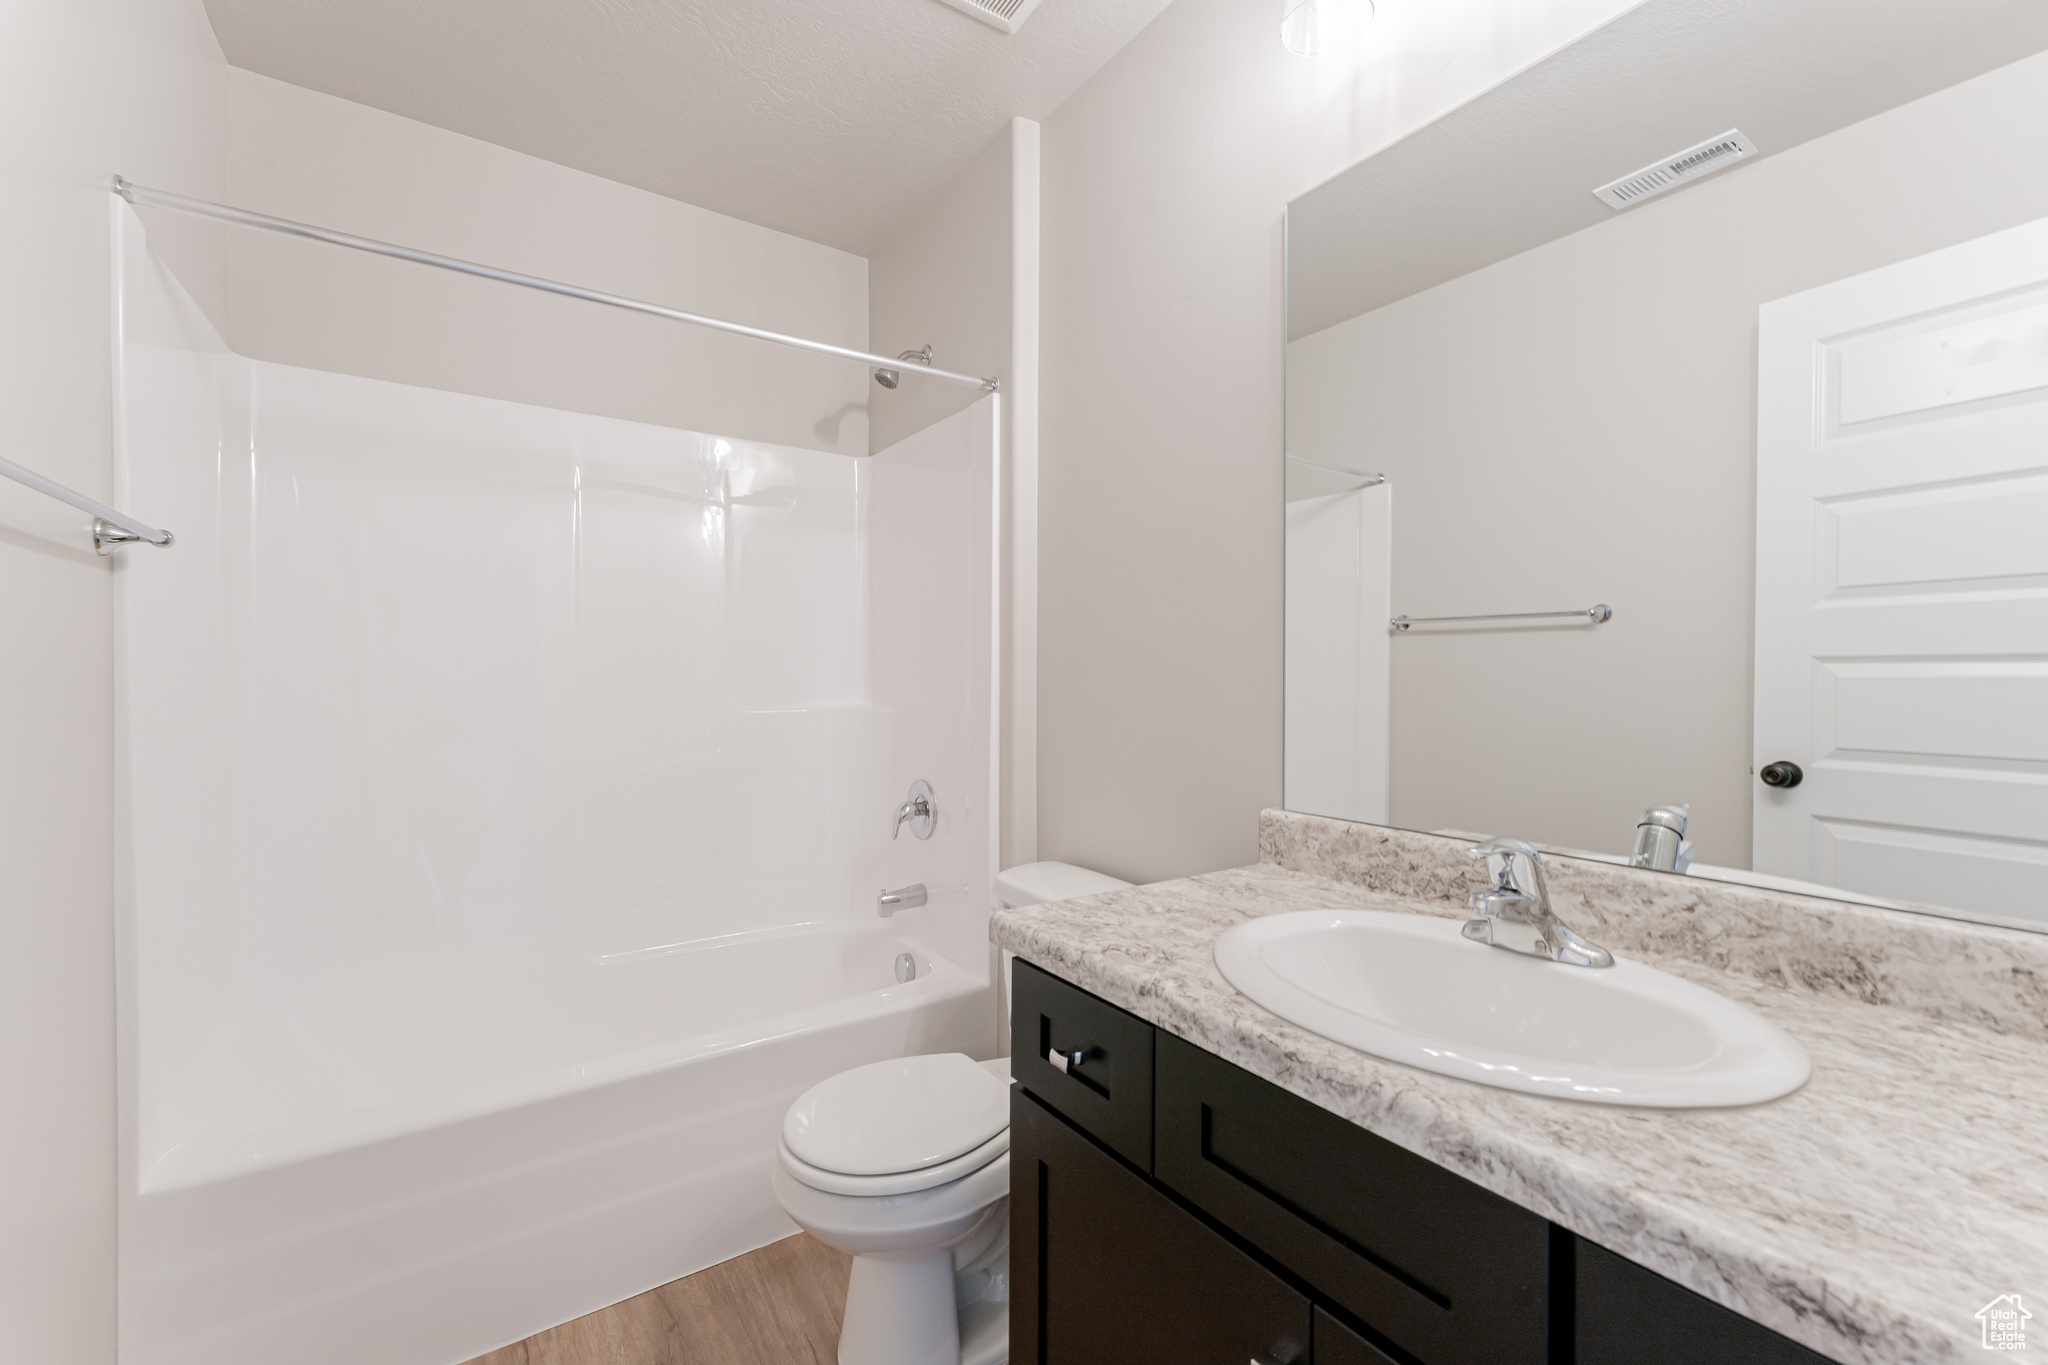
(1170,1207)
(1118,1273)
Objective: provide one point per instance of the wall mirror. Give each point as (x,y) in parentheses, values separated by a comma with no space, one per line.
(1719,340)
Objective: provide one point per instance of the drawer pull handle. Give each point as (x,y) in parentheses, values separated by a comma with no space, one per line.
(1067,1061)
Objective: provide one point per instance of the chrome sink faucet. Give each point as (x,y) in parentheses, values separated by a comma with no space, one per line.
(1661,844)
(1511,918)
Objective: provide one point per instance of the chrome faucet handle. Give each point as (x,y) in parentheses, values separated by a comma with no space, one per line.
(1506,887)
(1511,918)
(920,810)
(1507,850)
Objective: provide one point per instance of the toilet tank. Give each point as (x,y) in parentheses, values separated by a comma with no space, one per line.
(1037,883)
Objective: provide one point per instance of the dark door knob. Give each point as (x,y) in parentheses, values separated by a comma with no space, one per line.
(1783,773)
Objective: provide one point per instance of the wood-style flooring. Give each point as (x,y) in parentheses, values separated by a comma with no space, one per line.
(780,1305)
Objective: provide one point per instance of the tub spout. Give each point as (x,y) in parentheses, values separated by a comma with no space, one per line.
(904,898)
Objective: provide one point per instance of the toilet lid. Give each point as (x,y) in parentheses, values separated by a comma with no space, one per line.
(898,1115)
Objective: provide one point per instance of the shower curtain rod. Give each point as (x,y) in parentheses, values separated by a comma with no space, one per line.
(200,208)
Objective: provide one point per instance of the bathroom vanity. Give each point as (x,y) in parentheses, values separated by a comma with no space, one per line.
(1194,1179)
(1168,1205)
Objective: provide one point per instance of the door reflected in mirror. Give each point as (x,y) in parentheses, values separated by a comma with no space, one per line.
(1703,533)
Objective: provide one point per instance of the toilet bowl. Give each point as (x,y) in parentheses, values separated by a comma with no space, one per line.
(905,1165)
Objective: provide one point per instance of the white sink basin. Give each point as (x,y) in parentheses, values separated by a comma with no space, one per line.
(1413,989)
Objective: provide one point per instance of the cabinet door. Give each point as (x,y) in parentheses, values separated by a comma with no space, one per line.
(1106,1270)
(1631,1316)
(1337,1344)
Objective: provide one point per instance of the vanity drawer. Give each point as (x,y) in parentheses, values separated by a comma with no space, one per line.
(1444,1270)
(1107,1092)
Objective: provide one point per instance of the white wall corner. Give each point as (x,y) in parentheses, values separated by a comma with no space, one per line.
(1020,806)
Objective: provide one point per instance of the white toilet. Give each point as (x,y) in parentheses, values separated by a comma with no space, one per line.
(906,1165)
(1037,883)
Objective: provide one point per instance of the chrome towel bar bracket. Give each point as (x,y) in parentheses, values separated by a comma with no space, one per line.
(109,528)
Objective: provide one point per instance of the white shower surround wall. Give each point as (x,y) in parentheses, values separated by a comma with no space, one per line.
(504,794)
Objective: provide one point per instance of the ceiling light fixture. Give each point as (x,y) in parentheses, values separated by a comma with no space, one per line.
(1309,28)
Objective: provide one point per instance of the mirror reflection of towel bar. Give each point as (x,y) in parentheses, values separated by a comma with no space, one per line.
(1371,479)
(1595,614)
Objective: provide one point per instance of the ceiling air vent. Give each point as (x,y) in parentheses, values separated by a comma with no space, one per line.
(1673,171)
(1007,15)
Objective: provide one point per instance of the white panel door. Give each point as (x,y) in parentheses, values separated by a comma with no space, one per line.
(1902,579)
(1339,595)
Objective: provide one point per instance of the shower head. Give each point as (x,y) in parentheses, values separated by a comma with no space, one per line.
(889,379)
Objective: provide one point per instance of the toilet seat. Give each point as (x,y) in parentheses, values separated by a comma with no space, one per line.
(899,1117)
(898,1182)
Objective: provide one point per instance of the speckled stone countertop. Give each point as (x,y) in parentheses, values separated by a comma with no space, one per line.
(1868,1215)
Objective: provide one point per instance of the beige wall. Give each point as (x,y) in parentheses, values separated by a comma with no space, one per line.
(1579,423)
(87,88)
(943,276)
(961,272)
(304,155)
(1166,177)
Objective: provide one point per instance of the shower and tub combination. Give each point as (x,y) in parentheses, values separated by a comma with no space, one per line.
(507,799)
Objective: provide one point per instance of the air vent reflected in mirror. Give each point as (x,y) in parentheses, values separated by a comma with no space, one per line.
(1703,159)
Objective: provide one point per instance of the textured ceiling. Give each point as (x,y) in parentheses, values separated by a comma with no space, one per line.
(1516,167)
(830,119)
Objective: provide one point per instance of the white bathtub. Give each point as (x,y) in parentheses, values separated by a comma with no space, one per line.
(603,1129)
(503,795)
